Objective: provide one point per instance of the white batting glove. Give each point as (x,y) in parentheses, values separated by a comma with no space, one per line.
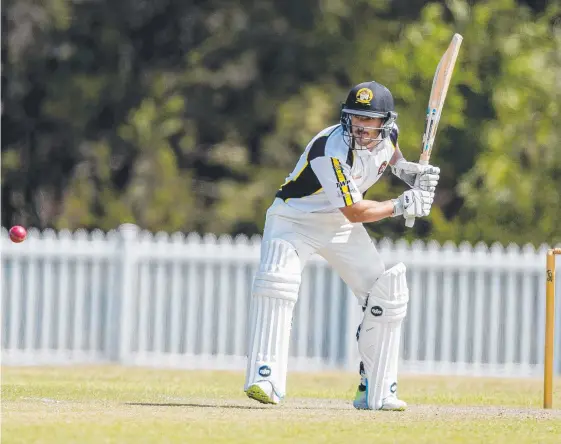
(413,203)
(422,177)
(428,179)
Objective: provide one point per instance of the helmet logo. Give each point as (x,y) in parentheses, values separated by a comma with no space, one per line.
(364,95)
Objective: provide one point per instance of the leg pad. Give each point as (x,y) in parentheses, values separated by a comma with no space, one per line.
(275,292)
(380,334)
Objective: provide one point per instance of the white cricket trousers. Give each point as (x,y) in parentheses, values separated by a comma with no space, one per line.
(347,247)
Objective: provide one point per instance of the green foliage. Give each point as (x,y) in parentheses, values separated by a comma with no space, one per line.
(513,191)
(184,115)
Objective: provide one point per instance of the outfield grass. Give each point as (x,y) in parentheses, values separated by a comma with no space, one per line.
(130,405)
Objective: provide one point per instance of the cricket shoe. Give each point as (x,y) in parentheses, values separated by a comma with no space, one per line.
(391,403)
(263,392)
(360,402)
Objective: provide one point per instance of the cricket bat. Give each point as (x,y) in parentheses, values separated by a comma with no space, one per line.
(440,83)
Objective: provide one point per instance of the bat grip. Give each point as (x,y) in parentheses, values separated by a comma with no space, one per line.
(410,221)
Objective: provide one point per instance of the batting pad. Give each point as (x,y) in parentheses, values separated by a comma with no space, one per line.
(275,292)
(380,334)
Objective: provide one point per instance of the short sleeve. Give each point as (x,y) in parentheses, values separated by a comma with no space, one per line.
(336,180)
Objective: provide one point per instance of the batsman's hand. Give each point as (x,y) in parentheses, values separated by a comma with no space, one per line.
(413,203)
(428,179)
(421,177)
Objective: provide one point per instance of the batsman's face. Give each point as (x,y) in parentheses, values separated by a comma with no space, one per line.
(366,130)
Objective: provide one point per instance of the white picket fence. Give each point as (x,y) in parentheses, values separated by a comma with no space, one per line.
(173,301)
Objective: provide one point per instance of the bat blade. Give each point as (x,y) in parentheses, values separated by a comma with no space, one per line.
(439,89)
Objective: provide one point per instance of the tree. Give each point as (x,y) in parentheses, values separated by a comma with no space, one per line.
(188,115)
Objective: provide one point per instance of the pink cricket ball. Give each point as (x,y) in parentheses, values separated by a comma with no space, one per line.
(18,234)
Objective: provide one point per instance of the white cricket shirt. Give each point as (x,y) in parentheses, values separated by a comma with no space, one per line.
(330,175)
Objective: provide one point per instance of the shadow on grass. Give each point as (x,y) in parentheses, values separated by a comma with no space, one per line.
(236,406)
(206,406)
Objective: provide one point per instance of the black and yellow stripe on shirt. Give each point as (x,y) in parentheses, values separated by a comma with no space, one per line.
(305,183)
(342,182)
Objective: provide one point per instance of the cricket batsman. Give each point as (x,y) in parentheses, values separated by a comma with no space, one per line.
(320,209)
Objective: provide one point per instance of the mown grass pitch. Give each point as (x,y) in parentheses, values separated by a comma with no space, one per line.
(89,405)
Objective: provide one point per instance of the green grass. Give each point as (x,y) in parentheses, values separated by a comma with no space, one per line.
(132,405)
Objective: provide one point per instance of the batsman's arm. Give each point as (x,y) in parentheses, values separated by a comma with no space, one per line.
(415,203)
(336,180)
(397,156)
(396,159)
(367,211)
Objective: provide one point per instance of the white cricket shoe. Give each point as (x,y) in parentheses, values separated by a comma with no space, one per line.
(263,392)
(361,403)
(392,403)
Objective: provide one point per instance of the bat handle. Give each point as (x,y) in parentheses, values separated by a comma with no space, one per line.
(410,221)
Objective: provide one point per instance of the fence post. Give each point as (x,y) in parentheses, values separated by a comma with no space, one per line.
(126,284)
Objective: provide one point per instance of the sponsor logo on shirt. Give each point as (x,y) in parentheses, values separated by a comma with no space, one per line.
(349,187)
(382,167)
